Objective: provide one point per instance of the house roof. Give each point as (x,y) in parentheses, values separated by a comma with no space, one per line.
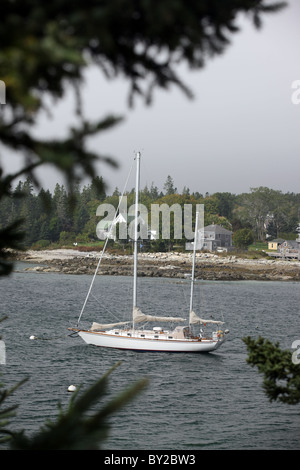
(292,243)
(216,228)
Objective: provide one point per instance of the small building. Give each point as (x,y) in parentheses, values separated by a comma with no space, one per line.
(275,244)
(213,237)
(289,249)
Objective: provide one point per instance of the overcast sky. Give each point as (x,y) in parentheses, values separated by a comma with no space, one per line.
(240,131)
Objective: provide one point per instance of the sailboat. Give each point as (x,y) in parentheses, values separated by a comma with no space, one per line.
(132,336)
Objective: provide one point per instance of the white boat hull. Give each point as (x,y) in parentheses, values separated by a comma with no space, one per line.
(107,340)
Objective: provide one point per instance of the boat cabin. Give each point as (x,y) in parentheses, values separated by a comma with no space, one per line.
(181,332)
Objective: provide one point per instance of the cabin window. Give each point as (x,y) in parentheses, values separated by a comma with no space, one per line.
(116,332)
(170,337)
(156,336)
(128,334)
(143,336)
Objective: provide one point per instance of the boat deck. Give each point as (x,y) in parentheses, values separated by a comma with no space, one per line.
(148,334)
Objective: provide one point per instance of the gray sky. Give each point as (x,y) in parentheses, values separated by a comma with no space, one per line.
(240,131)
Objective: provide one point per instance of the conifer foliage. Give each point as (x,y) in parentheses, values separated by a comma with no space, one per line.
(47,47)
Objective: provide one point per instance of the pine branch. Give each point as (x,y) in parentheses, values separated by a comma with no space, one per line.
(281,376)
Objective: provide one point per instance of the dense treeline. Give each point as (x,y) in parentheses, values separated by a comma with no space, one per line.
(62,218)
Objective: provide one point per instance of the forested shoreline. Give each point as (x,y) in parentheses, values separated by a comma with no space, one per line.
(61,218)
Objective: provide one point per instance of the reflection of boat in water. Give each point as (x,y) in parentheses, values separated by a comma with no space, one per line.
(126,335)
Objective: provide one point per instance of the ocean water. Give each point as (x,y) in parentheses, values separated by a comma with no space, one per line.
(192,402)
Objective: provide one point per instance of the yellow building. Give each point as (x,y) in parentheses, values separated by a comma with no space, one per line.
(274,244)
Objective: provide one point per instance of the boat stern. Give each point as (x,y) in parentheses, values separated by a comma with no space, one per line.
(220,337)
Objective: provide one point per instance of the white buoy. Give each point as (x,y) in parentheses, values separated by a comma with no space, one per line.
(32,337)
(71,388)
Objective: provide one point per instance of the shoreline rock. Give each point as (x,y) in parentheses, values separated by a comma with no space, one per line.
(209,266)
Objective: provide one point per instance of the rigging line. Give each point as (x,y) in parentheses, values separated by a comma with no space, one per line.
(104,247)
(106,308)
(183,289)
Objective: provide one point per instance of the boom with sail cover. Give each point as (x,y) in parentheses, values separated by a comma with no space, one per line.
(195,320)
(139,317)
(100,326)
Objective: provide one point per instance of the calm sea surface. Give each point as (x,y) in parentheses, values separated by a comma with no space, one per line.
(210,401)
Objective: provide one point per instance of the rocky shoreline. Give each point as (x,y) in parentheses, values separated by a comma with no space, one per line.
(178,265)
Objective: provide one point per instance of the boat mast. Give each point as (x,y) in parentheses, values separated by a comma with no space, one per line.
(137,189)
(194,259)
